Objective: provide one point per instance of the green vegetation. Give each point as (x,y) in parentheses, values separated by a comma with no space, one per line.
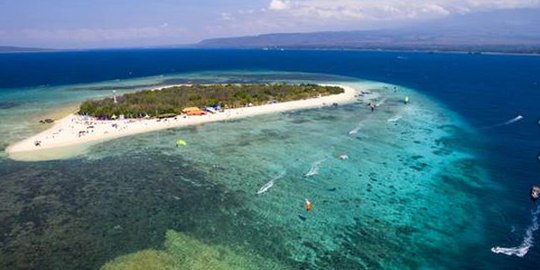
(184,252)
(173,99)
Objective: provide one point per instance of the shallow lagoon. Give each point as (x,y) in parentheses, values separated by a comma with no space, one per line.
(407,197)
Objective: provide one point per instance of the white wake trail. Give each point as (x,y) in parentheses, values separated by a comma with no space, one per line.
(519,117)
(270,183)
(527,242)
(315,168)
(513,120)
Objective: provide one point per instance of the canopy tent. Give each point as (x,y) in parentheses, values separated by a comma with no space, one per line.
(190,109)
(196,112)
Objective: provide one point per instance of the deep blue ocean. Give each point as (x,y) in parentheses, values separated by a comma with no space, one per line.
(486,91)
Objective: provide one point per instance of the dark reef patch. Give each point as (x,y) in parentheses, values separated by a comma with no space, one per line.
(9,105)
(78,214)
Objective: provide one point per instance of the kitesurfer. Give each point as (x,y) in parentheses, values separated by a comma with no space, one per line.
(308,205)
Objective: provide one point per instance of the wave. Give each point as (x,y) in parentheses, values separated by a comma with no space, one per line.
(380,102)
(395,118)
(356,129)
(270,183)
(315,166)
(527,242)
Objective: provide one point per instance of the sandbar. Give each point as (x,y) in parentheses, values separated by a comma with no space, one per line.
(75,129)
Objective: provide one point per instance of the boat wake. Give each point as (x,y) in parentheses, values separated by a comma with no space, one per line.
(270,183)
(513,120)
(509,122)
(528,239)
(315,168)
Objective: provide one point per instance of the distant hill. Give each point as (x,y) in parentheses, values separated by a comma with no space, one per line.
(500,30)
(21,49)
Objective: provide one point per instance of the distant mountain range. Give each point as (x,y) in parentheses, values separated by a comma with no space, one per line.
(21,49)
(498,31)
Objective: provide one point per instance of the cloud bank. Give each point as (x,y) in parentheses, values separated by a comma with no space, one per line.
(171,22)
(330,15)
(93,37)
(388,10)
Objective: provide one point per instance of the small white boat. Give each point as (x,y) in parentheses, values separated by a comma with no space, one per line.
(266,187)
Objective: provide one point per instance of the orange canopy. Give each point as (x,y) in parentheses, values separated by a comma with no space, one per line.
(189,109)
(196,112)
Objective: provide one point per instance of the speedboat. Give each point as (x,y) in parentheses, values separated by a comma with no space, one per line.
(535,193)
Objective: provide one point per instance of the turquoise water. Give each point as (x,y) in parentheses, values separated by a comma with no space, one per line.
(408,196)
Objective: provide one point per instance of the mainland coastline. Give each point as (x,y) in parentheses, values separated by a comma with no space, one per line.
(75,130)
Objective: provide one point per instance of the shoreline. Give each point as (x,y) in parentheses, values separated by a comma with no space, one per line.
(402,50)
(74,130)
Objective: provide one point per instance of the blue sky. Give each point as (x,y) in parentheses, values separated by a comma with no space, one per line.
(130,23)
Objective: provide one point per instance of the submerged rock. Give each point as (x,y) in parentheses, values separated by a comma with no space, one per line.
(46,121)
(8,105)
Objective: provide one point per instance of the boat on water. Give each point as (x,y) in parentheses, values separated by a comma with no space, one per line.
(535,193)
(266,186)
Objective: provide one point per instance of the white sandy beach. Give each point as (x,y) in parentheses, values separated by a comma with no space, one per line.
(74,129)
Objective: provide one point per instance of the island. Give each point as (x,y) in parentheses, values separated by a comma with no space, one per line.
(172,101)
(177,106)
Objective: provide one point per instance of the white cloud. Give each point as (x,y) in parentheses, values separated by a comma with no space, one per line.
(388,10)
(226,16)
(279,5)
(332,15)
(98,35)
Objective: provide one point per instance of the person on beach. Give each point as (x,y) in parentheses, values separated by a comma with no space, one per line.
(372,106)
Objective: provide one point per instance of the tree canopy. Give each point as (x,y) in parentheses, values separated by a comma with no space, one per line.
(172,100)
